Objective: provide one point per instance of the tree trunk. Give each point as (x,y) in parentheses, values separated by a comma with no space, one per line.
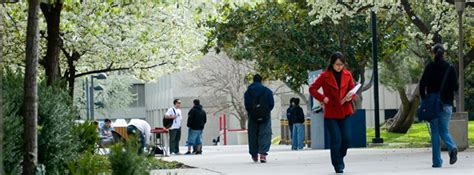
(52,14)
(241,114)
(359,99)
(405,116)
(2,170)
(71,72)
(243,123)
(30,105)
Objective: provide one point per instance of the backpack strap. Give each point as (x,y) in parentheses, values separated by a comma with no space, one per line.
(444,78)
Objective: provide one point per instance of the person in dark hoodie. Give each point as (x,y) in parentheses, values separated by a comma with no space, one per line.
(259,104)
(196,121)
(297,117)
(431,83)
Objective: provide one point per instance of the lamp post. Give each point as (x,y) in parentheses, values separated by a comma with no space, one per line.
(460,5)
(459,121)
(90,94)
(377,139)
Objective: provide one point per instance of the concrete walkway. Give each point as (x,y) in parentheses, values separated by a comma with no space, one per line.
(235,160)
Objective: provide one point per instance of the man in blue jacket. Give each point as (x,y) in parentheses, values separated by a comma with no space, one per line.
(259,104)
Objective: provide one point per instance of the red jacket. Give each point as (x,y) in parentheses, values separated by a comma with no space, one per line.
(333,109)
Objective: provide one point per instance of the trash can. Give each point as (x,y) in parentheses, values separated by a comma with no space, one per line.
(285,132)
(307,132)
(358,137)
(458,129)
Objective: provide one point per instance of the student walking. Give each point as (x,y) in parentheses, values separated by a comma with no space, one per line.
(439,78)
(259,104)
(336,82)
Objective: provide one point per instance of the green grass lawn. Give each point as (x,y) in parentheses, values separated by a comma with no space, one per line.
(417,137)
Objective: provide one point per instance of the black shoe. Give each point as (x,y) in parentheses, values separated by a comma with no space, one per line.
(263,158)
(188,153)
(340,171)
(198,153)
(453,156)
(255,159)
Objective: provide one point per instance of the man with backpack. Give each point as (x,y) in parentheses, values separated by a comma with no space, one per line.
(175,129)
(259,104)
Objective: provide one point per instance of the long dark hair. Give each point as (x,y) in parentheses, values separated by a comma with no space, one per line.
(438,50)
(334,57)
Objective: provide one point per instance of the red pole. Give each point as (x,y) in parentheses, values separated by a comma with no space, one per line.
(225,130)
(220,123)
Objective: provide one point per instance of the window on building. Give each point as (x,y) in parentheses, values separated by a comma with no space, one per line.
(139,91)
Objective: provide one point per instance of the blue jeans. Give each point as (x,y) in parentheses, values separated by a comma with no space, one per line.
(260,137)
(439,128)
(338,130)
(194,137)
(297,136)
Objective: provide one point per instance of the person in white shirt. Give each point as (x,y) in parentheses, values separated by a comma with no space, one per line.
(142,130)
(175,129)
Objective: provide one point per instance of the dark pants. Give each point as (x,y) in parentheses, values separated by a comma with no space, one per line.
(339,140)
(133,131)
(175,136)
(260,136)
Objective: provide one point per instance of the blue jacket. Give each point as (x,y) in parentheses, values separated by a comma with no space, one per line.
(289,111)
(255,90)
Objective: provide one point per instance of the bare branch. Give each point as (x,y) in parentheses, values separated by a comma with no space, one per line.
(417,21)
(15,24)
(118,69)
(345,4)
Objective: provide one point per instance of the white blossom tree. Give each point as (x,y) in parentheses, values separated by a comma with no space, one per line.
(144,39)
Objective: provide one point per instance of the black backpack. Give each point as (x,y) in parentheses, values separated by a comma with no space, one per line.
(260,110)
(167,123)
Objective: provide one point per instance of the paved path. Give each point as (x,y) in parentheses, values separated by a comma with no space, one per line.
(235,160)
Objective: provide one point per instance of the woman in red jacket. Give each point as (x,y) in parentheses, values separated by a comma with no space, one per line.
(336,83)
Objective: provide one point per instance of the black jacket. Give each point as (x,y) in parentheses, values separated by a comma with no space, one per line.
(432,78)
(196,118)
(297,114)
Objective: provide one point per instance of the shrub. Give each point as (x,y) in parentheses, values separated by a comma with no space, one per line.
(125,160)
(90,164)
(13,128)
(57,142)
(87,136)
